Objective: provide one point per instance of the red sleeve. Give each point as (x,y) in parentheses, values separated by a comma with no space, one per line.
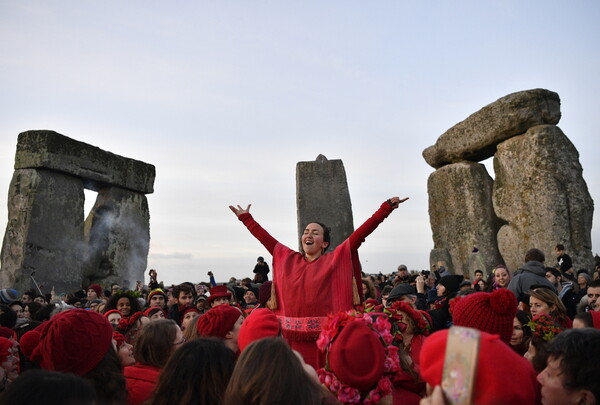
(359,235)
(259,233)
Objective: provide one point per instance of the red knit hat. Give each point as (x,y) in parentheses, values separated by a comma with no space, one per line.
(496,360)
(219,291)
(488,312)
(5,346)
(595,319)
(261,323)
(97,288)
(29,342)
(361,361)
(73,341)
(185,310)
(7,332)
(152,310)
(119,339)
(218,321)
(356,356)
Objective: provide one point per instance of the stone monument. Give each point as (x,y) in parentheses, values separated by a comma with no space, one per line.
(322,196)
(46,232)
(537,199)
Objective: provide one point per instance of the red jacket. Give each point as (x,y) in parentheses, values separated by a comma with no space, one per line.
(140,380)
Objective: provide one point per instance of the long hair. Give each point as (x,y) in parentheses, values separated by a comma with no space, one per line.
(108,380)
(559,313)
(268,372)
(154,343)
(197,373)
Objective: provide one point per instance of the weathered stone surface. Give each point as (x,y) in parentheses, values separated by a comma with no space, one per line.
(441,257)
(540,193)
(476,137)
(117,237)
(98,168)
(44,231)
(322,196)
(462,216)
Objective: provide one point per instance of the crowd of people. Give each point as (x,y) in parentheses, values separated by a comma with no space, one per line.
(318,332)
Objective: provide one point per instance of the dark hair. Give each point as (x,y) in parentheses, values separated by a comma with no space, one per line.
(30,294)
(478,271)
(108,380)
(44,313)
(554,272)
(133,302)
(594,284)
(182,288)
(560,247)
(535,255)
(48,387)
(578,351)
(197,373)
(326,233)
(8,317)
(586,318)
(154,343)
(524,318)
(539,361)
(268,372)
(34,307)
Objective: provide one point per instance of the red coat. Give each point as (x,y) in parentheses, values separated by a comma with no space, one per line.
(140,380)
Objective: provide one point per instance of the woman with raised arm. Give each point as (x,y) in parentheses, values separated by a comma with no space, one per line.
(308,285)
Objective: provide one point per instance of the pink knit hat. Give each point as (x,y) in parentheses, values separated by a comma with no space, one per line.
(488,312)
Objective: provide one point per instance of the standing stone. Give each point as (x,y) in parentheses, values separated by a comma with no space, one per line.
(117,236)
(322,196)
(439,257)
(462,217)
(540,193)
(44,231)
(476,137)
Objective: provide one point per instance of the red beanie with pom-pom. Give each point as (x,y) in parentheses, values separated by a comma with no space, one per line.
(488,312)
(495,361)
(73,341)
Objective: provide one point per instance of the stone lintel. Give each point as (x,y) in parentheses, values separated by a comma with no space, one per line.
(96,167)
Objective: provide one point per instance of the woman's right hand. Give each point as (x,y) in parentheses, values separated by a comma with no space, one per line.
(239,210)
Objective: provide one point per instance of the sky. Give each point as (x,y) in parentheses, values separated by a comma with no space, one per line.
(225,97)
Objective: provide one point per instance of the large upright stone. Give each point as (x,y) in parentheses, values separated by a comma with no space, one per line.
(117,236)
(476,137)
(540,193)
(322,196)
(44,231)
(462,217)
(98,168)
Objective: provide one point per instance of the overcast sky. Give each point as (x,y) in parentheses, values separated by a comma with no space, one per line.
(225,97)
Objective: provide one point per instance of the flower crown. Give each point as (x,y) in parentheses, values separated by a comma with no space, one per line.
(543,327)
(126,323)
(379,324)
(421,319)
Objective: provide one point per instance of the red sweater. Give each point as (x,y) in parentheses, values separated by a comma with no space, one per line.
(307,291)
(140,380)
